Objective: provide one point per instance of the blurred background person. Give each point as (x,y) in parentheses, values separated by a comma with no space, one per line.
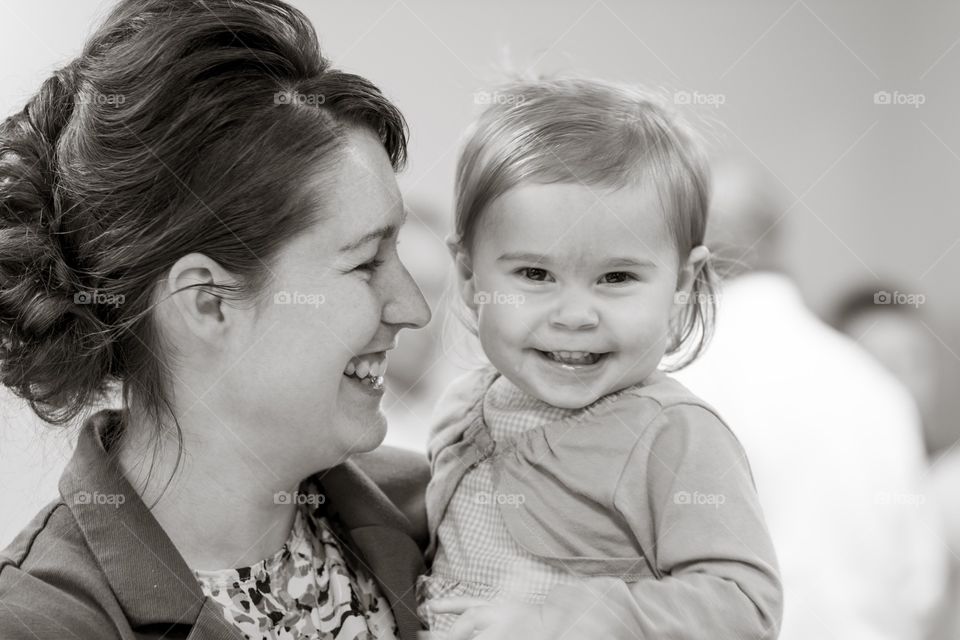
(887,322)
(890,326)
(834,439)
(944,483)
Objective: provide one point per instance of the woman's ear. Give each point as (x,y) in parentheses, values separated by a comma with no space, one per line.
(198,308)
(466,286)
(690,270)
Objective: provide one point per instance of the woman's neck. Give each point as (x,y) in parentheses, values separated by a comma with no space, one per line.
(219,506)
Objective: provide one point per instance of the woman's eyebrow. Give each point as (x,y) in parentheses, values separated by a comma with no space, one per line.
(386,231)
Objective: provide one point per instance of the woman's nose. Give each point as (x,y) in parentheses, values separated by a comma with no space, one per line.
(574,313)
(406,306)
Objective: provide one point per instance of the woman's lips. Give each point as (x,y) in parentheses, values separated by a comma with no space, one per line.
(369,384)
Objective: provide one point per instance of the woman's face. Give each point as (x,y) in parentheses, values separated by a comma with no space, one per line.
(340,297)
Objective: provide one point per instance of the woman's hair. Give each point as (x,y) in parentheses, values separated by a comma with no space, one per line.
(183,126)
(598,134)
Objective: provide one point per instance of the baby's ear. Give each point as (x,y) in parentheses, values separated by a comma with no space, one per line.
(461,260)
(689,271)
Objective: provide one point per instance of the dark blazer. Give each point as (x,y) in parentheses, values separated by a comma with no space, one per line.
(95,563)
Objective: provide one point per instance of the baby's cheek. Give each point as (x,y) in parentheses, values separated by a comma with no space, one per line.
(641,331)
(503,325)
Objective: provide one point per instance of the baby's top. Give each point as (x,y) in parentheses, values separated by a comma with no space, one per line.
(478,557)
(647,482)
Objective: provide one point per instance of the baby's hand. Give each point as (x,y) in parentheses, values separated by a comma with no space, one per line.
(482,620)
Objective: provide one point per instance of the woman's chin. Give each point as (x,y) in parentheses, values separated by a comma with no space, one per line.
(363,429)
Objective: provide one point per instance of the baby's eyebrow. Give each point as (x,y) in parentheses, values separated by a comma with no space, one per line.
(611,263)
(630,262)
(520,256)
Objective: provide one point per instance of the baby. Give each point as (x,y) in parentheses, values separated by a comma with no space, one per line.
(580,215)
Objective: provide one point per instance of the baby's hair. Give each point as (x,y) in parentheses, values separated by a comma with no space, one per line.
(598,134)
(184,126)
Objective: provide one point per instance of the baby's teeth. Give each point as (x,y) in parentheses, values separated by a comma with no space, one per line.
(574,356)
(375,369)
(383,367)
(363,369)
(351,367)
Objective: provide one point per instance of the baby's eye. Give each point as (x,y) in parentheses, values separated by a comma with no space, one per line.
(617,277)
(534,273)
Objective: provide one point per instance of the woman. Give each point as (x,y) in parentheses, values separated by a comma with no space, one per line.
(201,212)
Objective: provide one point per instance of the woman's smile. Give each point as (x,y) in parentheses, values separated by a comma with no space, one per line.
(367,371)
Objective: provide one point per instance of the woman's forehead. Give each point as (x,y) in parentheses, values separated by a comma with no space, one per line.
(359,196)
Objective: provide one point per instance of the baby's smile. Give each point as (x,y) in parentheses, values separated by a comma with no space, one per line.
(573,359)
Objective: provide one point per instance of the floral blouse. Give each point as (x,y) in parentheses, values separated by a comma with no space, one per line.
(307,590)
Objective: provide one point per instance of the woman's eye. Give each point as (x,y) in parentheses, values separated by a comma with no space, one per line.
(534,273)
(617,277)
(370,266)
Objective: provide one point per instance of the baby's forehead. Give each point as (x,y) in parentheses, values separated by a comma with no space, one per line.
(578,221)
(588,251)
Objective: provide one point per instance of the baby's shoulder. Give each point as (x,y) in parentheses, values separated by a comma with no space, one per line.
(642,412)
(458,402)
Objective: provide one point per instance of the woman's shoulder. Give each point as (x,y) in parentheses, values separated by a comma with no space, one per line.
(50,584)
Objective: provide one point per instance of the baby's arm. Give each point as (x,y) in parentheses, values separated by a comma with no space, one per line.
(687,493)
(688,478)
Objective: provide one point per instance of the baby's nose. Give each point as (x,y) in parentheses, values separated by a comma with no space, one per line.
(574,315)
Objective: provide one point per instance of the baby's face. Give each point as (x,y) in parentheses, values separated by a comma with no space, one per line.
(574,288)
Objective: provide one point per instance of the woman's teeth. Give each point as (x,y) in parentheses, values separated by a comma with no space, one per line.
(573,357)
(370,365)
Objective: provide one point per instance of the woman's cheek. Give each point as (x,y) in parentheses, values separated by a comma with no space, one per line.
(358,303)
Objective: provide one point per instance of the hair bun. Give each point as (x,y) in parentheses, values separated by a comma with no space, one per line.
(42,328)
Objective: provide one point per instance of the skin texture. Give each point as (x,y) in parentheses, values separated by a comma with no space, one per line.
(571,293)
(259,389)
